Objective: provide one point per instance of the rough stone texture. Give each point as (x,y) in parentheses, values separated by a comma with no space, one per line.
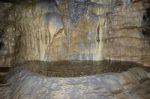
(125,41)
(7,34)
(26,84)
(78,30)
(81,30)
(58,30)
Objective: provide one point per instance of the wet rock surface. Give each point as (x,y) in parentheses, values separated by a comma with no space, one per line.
(70,30)
(26,84)
(76,68)
(76,30)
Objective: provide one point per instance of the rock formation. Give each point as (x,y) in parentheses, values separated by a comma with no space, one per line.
(77,30)
(74,49)
(30,81)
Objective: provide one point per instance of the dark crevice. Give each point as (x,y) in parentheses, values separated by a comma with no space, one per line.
(1,45)
(5,69)
(97,38)
(1,42)
(2,80)
(3,73)
(7,1)
(146,21)
(19,1)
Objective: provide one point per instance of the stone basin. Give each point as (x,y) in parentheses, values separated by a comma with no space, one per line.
(76,68)
(77,80)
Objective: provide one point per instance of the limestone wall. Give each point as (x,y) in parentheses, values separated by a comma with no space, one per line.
(80,30)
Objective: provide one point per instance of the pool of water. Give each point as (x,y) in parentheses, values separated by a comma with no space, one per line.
(76,68)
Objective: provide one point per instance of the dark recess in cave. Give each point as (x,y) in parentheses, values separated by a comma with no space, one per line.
(18,1)
(7,1)
(146,19)
(1,45)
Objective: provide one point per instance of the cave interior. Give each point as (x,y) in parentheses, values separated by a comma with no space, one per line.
(74,49)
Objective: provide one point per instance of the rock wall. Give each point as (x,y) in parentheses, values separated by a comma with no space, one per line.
(125,41)
(7,35)
(59,30)
(23,84)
